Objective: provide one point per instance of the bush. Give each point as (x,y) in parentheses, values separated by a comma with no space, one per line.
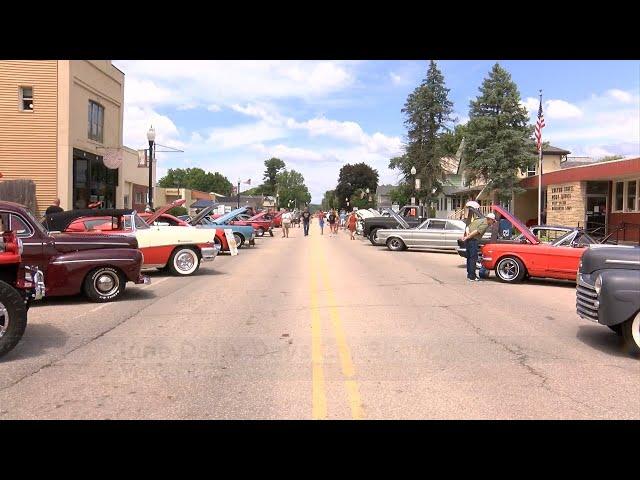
(177,211)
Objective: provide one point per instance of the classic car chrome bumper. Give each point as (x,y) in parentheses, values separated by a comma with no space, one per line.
(208,253)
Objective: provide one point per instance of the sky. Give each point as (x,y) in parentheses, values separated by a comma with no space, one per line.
(231,116)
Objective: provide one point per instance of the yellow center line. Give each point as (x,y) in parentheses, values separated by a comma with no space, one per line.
(319,398)
(348,369)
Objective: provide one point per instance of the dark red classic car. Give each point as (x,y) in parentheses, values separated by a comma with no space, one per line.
(19,284)
(260,224)
(97,265)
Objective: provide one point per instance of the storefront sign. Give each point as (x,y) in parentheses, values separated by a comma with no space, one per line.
(233,246)
(561,198)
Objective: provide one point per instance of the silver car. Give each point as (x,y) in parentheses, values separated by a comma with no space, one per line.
(433,233)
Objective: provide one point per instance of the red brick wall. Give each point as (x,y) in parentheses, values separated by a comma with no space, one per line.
(632,233)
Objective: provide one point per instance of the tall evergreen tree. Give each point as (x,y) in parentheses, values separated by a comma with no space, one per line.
(498,137)
(428,112)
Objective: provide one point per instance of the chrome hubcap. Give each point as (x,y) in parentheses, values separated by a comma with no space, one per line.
(238,240)
(508,269)
(106,284)
(185,261)
(395,243)
(4,320)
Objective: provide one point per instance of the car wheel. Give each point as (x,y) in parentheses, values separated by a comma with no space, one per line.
(372,237)
(631,334)
(104,284)
(271,232)
(616,328)
(239,239)
(260,232)
(395,244)
(217,243)
(13,317)
(184,261)
(510,270)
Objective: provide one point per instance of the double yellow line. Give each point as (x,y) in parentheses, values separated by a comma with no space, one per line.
(318,264)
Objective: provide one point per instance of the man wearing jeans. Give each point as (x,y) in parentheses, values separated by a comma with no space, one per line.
(476,230)
(306,218)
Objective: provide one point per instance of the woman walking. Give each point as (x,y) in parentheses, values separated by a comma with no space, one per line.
(333,218)
(351,224)
(321,221)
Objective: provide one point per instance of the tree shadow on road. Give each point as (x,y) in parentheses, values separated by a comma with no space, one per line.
(37,339)
(603,339)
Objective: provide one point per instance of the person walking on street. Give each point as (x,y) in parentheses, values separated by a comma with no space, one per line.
(306,219)
(476,230)
(286,223)
(54,207)
(351,224)
(321,221)
(332,217)
(343,217)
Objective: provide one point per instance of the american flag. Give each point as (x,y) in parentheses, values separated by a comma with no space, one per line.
(539,127)
(248,182)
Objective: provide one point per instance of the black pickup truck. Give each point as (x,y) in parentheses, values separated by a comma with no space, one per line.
(608,290)
(414,215)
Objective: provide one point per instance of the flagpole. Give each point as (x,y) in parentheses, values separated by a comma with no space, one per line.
(540,174)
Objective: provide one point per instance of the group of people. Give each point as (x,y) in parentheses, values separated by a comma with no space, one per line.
(332,217)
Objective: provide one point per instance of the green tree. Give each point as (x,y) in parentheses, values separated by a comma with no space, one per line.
(352,178)
(274,166)
(329,200)
(196,179)
(611,158)
(401,194)
(498,136)
(292,189)
(428,112)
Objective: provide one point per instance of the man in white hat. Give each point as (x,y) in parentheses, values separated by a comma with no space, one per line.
(475,231)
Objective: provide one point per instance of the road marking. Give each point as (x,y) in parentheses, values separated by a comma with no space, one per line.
(152,284)
(98,308)
(319,398)
(348,369)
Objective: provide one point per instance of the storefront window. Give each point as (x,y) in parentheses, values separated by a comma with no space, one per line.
(619,199)
(93,181)
(631,196)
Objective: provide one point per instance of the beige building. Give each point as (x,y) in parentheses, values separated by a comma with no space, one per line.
(59,119)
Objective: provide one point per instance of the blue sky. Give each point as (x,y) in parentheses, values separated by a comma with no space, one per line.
(230,116)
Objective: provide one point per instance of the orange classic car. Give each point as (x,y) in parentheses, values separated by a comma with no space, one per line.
(525,256)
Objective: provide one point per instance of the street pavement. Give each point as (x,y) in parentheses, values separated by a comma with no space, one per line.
(321,327)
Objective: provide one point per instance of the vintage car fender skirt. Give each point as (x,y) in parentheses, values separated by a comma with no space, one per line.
(184,261)
(510,270)
(631,334)
(13,317)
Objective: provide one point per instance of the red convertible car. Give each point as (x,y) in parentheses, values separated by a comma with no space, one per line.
(528,257)
(275,217)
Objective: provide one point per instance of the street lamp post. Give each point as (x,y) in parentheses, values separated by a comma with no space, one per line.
(151,136)
(413,172)
(238,193)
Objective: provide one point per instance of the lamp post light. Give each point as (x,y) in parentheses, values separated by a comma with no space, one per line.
(151,137)
(347,200)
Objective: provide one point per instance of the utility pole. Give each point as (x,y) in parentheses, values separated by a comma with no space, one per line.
(238,193)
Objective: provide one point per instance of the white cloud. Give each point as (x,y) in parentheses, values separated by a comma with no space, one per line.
(559,109)
(175,82)
(187,106)
(214,108)
(395,79)
(620,95)
(242,135)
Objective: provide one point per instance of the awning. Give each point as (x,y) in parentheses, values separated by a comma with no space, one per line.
(202,203)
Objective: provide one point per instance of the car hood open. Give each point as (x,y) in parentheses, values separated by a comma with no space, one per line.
(154,216)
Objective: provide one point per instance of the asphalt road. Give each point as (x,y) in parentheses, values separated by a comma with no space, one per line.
(321,327)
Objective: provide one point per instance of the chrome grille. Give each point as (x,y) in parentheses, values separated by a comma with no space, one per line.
(586,301)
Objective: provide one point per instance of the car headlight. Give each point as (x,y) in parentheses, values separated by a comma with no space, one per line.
(598,284)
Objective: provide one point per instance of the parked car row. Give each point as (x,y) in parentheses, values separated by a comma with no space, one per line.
(96,252)
(607,276)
